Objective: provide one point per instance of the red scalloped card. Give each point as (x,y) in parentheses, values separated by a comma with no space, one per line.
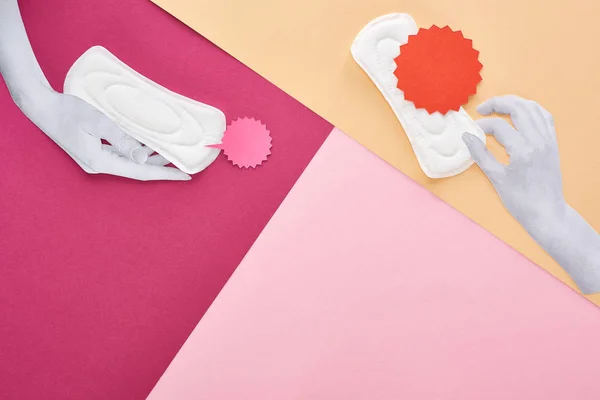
(438,69)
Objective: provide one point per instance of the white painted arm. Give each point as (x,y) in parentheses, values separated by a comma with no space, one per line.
(73,124)
(531,186)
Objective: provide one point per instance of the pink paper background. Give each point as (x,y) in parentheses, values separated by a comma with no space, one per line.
(102,279)
(365,286)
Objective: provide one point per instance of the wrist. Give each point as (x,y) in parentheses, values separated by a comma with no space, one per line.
(31,97)
(572,243)
(544,222)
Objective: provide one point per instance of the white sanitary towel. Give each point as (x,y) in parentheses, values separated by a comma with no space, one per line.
(175,126)
(436,139)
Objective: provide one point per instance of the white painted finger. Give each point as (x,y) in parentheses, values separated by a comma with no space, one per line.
(506,135)
(484,159)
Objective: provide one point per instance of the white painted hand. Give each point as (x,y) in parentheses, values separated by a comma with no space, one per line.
(531,185)
(531,189)
(78,128)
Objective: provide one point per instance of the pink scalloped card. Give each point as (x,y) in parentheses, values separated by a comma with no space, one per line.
(246,143)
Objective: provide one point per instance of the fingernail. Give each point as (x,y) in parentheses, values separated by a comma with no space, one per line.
(139,155)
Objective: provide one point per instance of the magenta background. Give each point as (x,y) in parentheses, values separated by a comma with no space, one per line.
(102,279)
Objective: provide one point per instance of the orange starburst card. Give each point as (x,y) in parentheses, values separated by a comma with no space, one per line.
(438,69)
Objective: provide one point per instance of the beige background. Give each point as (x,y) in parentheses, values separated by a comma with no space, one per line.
(545,50)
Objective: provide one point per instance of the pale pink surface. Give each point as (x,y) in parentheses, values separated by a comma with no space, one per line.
(366,286)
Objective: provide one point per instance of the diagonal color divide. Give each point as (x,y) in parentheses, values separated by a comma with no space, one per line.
(102,279)
(526,48)
(365,286)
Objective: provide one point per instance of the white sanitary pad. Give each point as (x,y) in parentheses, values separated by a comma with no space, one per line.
(436,139)
(176,127)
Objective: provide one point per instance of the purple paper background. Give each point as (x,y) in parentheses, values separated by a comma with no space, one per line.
(101,278)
